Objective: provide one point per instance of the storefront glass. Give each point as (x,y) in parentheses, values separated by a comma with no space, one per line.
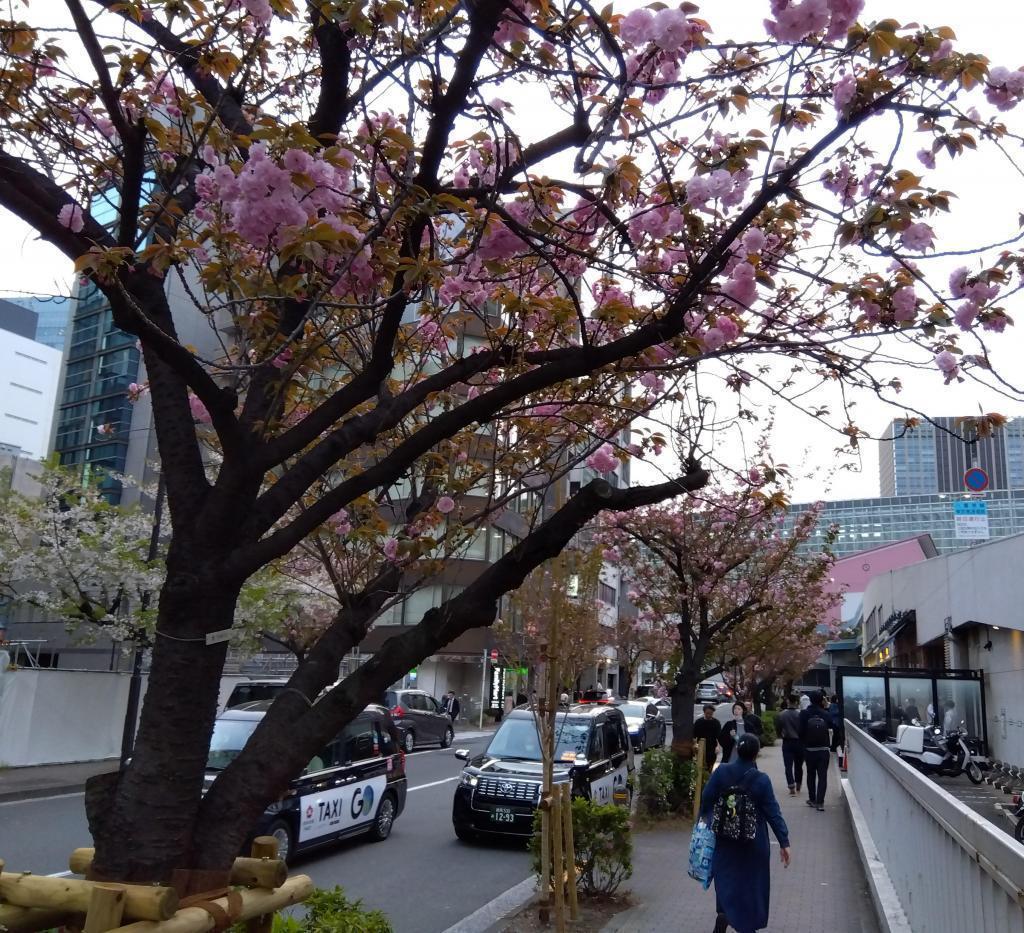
(864,700)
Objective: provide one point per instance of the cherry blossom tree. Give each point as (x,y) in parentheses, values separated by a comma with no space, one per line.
(439,246)
(636,638)
(568,586)
(715,573)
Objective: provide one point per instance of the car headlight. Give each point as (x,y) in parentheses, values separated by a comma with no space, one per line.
(469,780)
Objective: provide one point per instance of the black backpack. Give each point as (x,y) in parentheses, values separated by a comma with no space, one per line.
(816,732)
(734,815)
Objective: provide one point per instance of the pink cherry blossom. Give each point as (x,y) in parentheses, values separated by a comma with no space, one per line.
(926,157)
(259,10)
(918,237)
(391,548)
(843,93)
(753,240)
(958,282)
(637,27)
(947,365)
(796,21)
(671,29)
(70,216)
(200,413)
(445,505)
(714,339)
(603,460)
(904,302)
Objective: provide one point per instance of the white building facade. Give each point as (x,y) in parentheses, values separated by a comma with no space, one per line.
(29,375)
(968,606)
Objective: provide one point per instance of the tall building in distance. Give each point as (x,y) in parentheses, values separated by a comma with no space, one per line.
(933,456)
(29,374)
(54,318)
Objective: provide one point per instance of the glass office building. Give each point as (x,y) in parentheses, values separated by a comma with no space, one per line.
(867,523)
(934,455)
(54,318)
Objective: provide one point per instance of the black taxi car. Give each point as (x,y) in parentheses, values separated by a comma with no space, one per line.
(500,789)
(355,785)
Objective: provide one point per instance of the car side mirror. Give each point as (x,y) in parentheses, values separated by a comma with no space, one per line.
(462,754)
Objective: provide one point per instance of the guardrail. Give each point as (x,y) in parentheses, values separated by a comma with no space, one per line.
(950,869)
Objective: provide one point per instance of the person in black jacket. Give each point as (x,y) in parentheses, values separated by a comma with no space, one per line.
(709,729)
(815,723)
(741,723)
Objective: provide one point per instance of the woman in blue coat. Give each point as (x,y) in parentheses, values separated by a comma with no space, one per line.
(741,870)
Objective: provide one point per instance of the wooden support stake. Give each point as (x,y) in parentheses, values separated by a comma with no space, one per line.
(257,872)
(255,903)
(558,862)
(33,919)
(75,896)
(570,852)
(106,908)
(698,781)
(263,847)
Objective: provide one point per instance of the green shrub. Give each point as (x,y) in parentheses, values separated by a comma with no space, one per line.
(603,844)
(769,735)
(332,912)
(666,782)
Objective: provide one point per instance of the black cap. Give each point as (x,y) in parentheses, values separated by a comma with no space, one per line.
(748,746)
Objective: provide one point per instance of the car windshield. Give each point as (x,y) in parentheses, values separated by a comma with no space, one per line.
(633,710)
(517,738)
(229,737)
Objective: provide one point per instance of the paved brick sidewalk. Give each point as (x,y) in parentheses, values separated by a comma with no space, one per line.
(824,889)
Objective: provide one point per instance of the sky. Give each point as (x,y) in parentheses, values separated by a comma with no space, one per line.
(990,197)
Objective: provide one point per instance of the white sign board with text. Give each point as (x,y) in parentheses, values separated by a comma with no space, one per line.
(970,520)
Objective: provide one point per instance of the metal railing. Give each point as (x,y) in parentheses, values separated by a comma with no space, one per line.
(951,869)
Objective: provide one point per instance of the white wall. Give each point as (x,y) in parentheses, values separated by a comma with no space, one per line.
(29,374)
(56,716)
(985,585)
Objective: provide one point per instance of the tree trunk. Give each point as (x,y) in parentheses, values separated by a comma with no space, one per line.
(142,824)
(684,698)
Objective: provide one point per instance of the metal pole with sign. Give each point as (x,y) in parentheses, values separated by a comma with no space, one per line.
(483,686)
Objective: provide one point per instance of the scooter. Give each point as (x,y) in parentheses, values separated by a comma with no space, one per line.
(930,751)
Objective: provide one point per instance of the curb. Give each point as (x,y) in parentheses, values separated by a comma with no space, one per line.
(488,919)
(38,793)
(891,916)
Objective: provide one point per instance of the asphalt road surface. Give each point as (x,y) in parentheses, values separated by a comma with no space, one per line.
(422,877)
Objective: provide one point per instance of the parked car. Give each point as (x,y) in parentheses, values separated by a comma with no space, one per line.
(708,692)
(355,785)
(645,724)
(500,788)
(249,691)
(419,719)
(664,706)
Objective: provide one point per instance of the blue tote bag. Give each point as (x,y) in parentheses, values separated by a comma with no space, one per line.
(702,848)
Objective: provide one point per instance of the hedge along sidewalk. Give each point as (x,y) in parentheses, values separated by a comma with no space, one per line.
(824,888)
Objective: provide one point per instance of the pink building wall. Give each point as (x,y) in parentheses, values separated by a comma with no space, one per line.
(851,574)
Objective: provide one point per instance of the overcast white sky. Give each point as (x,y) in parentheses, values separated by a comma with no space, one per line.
(990,198)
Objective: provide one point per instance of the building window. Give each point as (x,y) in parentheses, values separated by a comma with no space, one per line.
(606,593)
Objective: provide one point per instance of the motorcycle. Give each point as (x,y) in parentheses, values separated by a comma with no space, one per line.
(926,748)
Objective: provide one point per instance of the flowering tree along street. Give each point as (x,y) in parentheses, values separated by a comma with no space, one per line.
(568,586)
(440,246)
(714,571)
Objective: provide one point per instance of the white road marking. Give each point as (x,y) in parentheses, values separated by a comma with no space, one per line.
(433,783)
(11,803)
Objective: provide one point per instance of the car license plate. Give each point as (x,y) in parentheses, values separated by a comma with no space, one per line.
(503,815)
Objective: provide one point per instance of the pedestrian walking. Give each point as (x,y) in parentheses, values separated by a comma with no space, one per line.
(741,867)
(815,722)
(450,704)
(839,727)
(805,701)
(709,729)
(787,725)
(741,723)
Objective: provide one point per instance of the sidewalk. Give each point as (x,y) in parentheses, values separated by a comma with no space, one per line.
(823,889)
(50,780)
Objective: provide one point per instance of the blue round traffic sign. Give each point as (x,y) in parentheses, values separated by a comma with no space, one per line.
(976,479)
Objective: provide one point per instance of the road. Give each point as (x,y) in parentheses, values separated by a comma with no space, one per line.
(422,877)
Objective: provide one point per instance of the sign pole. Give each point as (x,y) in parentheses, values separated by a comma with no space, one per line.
(483,687)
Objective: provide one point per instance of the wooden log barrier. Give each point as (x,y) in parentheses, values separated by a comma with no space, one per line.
(106,908)
(33,919)
(255,902)
(74,896)
(259,872)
